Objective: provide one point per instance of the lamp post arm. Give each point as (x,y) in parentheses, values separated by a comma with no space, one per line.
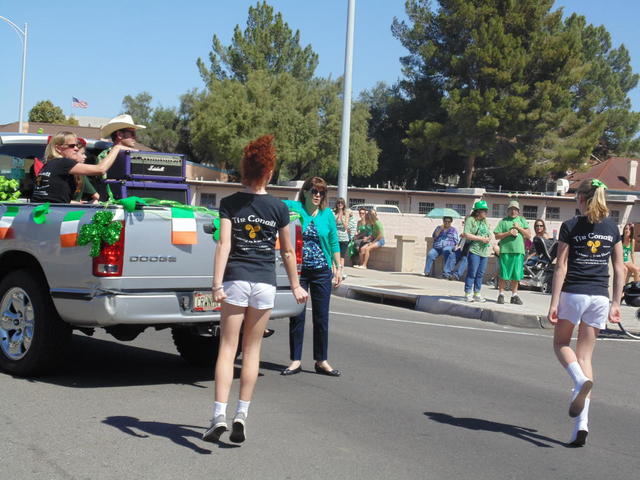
(15,27)
(23,36)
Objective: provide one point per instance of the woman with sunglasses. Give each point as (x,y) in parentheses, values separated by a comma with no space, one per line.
(320,263)
(56,181)
(343,221)
(539,230)
(628,249)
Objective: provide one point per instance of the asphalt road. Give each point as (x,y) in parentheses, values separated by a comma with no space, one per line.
(421,397)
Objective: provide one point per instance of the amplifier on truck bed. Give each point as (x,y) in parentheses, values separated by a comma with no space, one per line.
(167,167)
(178,192)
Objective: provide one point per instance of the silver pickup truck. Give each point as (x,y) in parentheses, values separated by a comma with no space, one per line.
(47,289)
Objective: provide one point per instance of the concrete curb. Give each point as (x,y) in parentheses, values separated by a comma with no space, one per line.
(447,305)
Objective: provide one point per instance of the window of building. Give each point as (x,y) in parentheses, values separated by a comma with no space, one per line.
(499,210)
(392,202)
(355,201)
(553,213)
(615,215)
(208,200)
(425,207)
(332,201)
(461,208)
(530,212)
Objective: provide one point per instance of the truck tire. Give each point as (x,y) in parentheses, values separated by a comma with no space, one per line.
(33,338)
(198,350)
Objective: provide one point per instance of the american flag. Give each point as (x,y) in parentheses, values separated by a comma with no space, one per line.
(78,103)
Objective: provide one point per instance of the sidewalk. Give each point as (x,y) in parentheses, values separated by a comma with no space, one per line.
(444,297)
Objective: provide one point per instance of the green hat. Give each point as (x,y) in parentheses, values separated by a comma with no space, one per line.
(480,205)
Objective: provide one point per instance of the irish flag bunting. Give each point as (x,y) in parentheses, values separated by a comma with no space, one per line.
(7,220)
(69,228)
(183,227)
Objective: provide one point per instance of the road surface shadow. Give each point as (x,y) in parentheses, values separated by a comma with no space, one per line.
(523,433)
(276,367)
(178,434)
(95,363)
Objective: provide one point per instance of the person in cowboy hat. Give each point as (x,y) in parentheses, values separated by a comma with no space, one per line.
(122,131)
(511,233)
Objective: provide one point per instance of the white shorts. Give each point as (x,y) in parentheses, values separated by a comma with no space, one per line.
(249,294)
(590,309)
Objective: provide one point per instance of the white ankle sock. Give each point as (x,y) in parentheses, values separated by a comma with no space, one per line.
(219,408)
(576,373)
(243,407)
(582,421)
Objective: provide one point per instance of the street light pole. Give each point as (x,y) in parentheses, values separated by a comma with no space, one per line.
(24,36)
(343,172)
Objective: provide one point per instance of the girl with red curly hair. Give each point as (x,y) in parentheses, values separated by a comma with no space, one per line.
(244,280)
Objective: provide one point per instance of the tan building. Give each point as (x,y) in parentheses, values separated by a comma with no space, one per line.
(415,204)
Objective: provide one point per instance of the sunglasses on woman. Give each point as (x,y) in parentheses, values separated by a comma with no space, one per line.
(72,145)
(539,226)
(315,191)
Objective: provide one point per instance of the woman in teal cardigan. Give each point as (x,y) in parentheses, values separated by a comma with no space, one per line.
(320,264)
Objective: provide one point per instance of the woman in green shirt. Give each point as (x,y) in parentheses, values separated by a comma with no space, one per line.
(320,264)
(377,238)
(477,233)
(628,247)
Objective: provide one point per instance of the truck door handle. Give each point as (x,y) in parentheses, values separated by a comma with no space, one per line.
(209,228)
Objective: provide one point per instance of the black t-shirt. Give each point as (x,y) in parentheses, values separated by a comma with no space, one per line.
(54,183)
(590,246)
(255,221)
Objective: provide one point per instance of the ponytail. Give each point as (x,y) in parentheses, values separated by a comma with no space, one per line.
(593,192)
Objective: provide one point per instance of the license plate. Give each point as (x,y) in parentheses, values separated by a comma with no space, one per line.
(203,302)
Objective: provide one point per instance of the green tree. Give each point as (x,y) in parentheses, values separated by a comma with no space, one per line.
(139,107)
(45,111)
(163,124)
(267,44)
(497,80)
(263,83)
(303,115)
(602,94)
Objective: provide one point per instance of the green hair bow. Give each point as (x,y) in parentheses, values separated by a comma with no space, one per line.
(598,183)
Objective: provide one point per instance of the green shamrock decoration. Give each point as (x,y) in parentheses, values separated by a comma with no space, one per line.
(101,229)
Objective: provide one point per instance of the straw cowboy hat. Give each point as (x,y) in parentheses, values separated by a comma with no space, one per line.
(118,123)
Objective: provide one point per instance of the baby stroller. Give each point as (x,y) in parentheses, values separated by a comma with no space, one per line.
(538,270)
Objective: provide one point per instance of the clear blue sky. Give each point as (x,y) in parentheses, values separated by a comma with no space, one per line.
(102,51)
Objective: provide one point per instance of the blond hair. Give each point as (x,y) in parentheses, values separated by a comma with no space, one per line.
(594,196)
(372,217)
(58,139)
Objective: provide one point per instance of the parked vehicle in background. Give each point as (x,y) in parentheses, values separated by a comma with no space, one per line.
(377,208)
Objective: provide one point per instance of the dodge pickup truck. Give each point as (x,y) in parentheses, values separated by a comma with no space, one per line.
(50,285)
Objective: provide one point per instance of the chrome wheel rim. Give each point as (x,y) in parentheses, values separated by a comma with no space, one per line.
(16,323)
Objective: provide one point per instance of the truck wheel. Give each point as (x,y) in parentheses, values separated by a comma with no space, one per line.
(198,350)
(33,338)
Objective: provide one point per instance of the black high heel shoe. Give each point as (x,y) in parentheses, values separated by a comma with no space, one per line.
(268,332)
(286,372)
(330,373)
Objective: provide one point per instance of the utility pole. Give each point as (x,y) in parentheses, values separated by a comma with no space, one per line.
(343,172)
